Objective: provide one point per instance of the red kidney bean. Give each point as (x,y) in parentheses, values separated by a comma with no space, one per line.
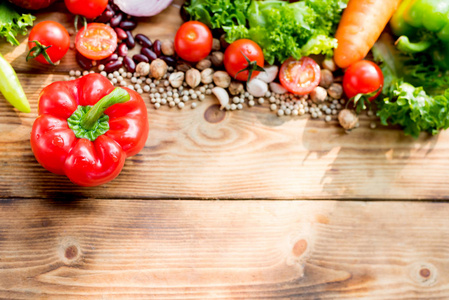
(140,58)
(114,7)
(115,21)
(121,34)
(112,57)
(148,53)
(105,17)
(128,25)
(113,66)
(130,65)
(122,49)
(130,42)
(83,62)
(157,47)
(143,40)
(169,60)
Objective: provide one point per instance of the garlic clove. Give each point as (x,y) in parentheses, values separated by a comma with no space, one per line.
(222,96)
(277,88)
(257,87)
(269,75)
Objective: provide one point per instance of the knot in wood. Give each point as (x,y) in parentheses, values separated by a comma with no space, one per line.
(213,114)
(425,274)
(69,250)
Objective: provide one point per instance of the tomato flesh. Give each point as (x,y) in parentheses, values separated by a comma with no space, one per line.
(234,59)
(98,41)
(363,77)
(300,76)
(193,41)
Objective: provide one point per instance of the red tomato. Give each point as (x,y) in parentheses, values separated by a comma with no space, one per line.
(98,41)
(50,33)
(300,76)
(34,4)
(89,9)
(363,77)
(193,41)
(234,58)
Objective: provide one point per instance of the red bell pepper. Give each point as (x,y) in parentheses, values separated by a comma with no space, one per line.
(86,128)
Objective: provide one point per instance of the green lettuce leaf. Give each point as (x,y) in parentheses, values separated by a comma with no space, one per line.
(414,110)
(218,13)
(415,93)
(12,23)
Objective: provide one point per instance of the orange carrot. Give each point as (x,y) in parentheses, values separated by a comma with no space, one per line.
(361,24)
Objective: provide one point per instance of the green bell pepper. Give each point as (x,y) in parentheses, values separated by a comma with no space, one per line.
(11,88)
(397,23)
(422,24)
(432,15)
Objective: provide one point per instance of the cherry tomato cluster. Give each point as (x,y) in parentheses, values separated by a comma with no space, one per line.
(49,41)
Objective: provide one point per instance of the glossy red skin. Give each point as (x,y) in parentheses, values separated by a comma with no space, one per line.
(89,9)
(99,33)
(300,77)
(363,77)
(234,61)
(193,41)
(50,33)
(87,163)
(33,4)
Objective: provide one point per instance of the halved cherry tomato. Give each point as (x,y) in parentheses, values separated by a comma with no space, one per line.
(98,41)
(234,59)
(363,77)
(49,34)
(300,76)
(193,41)
(89,9)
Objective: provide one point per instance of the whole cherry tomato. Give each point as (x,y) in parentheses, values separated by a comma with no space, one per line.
(97,41)
(48,42)
(34,4)
(242,57)
(363,77)
(300,76)
(193,41)
(89,9)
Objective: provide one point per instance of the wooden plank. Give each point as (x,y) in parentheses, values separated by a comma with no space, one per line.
(223,249)
(205,153)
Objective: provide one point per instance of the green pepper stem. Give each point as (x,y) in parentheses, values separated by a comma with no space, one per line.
(118,95)
(403,44)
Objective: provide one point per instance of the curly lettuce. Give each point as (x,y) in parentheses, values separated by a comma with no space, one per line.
(414,110)
(218,13)
(12,23)
(415,93)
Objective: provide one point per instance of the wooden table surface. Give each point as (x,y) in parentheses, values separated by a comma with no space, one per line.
(224,205)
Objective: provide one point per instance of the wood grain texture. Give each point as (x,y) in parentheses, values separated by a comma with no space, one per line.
(249,154)
(223,250)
